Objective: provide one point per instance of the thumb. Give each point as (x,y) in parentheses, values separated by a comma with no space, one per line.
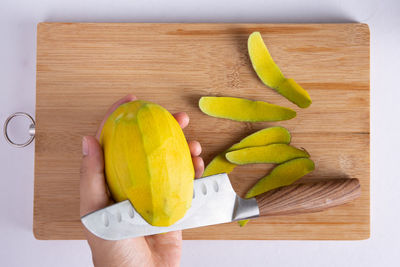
(94,194)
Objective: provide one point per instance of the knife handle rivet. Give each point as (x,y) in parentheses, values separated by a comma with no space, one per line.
(204,189)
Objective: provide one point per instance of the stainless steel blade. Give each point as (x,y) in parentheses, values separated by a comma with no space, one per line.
(214,202)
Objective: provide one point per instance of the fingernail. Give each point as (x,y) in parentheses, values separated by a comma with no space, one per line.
(85,146)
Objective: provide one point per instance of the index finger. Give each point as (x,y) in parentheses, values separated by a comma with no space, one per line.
(125,99)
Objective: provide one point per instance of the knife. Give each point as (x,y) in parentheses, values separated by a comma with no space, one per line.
(214,202)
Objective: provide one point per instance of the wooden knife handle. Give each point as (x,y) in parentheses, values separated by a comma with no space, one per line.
(308,197)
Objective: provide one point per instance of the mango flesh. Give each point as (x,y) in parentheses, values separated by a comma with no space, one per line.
(266,136)
(294,93)
(240,109)
(262,62)
(243,223)
(282,175)
(275,153)
(270,135)
(217,165)
(270,74)
(147,160)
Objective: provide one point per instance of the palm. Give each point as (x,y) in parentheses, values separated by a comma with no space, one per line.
(156,250)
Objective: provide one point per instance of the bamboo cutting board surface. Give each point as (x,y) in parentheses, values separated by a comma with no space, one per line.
(83,68)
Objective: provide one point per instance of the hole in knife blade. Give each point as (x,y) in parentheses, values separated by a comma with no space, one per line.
(131,213)
(216,187)
(106,221)
(204,189)
(119,217)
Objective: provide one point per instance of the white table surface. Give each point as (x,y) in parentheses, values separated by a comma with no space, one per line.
(18,19)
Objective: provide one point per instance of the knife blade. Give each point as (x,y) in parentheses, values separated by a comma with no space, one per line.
(215,202)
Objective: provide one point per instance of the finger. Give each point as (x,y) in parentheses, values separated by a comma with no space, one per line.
(182,118)
(198,165)
(93,188)
(195,148)
(125,99)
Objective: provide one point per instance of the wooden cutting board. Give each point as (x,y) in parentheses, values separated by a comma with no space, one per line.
(83,68)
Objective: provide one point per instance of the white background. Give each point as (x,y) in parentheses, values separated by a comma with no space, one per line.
(18,19)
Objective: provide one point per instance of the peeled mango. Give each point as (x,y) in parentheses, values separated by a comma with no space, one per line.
(240,109)
(147,160)
(263,137)
(270,74)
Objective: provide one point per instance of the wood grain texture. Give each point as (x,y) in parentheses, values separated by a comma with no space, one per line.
(83,68)
(308,197)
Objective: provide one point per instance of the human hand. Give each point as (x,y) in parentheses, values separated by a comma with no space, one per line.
(155,250)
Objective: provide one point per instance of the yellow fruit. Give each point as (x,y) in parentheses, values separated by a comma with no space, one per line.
(262,62)
(147,160)
(240,109)
(271,75)
(283,174)
(266,136)
(275,153)
(217,165)
(242,223)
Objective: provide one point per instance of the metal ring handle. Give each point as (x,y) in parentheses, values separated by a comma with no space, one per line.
(31,129)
